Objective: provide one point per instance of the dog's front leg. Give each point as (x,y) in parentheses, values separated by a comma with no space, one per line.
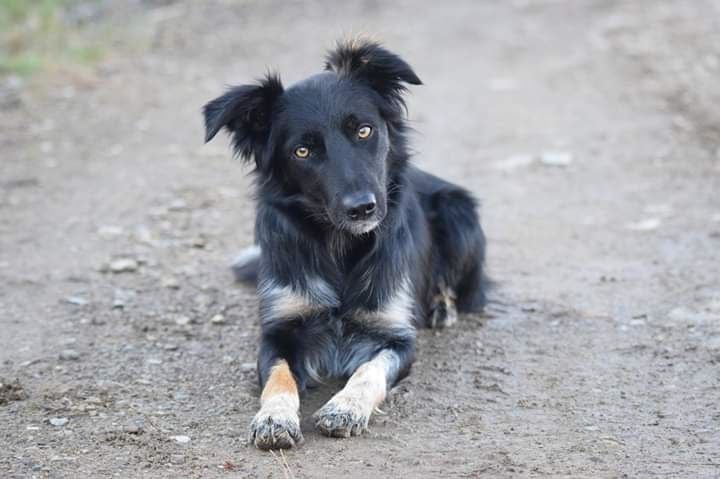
(277,424)
(348,412)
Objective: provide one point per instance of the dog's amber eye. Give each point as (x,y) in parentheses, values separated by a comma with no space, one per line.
(364,132)
(302,152)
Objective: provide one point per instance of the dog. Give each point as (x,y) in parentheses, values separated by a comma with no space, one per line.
(355,248)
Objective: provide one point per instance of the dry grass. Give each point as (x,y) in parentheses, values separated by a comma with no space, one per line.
(282,460)
(37,35)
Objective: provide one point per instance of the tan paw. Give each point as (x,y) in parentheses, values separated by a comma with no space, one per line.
(276,428)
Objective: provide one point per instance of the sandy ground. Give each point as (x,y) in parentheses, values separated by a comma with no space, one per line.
(598,357)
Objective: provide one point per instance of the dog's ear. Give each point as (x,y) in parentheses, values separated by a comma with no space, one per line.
(245,112)
(369,62)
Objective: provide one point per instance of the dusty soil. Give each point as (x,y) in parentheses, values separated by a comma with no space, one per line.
(598,357)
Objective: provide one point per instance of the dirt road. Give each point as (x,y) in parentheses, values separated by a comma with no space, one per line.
(589,130)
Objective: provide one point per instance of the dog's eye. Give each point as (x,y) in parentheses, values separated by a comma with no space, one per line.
(364,132)
(302,152)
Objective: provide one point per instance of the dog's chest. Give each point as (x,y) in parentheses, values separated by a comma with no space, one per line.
(392,309)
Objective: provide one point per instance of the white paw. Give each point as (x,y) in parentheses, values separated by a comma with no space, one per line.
(343,416)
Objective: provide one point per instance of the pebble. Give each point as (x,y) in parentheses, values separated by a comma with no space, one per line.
(177,204)
(76,300)
(218,319)
(199,242)
(247,367)
(182,320)
(170,282)
(58,421)
(133,429)
(556,158)
(514,162)
(69,355)
(121,297)
(181,439)
(645,225)
(109,231)
(123,265)
(177,459)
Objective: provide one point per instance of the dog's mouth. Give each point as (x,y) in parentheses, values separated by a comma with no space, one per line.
(357,227)
(361,227)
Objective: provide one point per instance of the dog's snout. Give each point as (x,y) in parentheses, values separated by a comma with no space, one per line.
(359,206)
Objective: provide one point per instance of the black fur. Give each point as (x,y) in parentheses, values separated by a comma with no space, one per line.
(422,241)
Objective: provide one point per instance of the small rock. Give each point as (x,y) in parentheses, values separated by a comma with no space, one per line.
(556,158)
(109,231)
(199,242)
(247,367)
(123,265)
(58,421)
(76,300)
(218,319)
(154,361)
(136,429)
(514,162)
(177,459)
(178,204)
(645,225)
(182,320)
(69,355)
(181,439)
(121,297)
(170,282)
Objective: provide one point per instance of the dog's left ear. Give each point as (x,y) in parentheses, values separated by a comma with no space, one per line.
(369,62)
(245,111)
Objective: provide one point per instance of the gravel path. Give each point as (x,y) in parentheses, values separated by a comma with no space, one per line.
(589,130)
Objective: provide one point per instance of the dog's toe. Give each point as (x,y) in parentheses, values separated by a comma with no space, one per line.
(275,432)
(337,419)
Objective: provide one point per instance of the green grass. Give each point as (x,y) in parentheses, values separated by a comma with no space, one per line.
(35,37)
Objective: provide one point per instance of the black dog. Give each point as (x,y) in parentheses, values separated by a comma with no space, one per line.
(356,248)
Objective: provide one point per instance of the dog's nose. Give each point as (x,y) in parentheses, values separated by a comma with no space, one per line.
(359,206)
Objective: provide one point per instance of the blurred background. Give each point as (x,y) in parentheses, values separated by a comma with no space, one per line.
(589,129)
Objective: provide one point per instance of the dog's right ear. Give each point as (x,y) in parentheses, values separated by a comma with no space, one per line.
(245,112)
(369,62)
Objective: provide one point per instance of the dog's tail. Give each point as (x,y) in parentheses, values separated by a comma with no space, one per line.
(246,265)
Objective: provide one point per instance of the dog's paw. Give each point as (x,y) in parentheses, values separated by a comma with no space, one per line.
(444,312)
(276,429)
(342,416)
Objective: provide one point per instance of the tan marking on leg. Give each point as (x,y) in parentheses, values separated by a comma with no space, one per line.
(277,424)
(280,381)
(444,310)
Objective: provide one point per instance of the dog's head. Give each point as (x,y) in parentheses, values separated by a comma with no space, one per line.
(331,141)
